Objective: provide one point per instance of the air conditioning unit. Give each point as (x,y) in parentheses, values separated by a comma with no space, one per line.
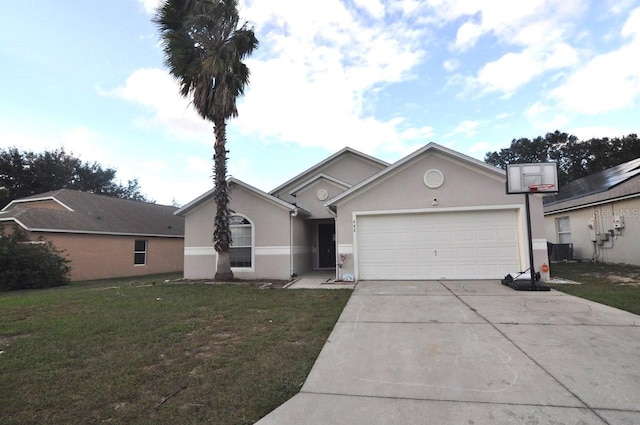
(561,252)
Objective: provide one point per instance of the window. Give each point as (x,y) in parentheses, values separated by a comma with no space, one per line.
(564,230)
(241,242)
(140,252)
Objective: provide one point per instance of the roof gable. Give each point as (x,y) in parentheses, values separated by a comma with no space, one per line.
(457,157)
(38,199)
(233,181)
(317,168)
(321,176)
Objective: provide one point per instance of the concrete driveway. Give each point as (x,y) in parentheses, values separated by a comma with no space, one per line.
(471,353)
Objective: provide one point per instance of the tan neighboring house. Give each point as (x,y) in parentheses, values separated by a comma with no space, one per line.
(435,214)
(104,237)
(599,215)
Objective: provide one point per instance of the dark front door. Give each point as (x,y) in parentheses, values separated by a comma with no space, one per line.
(326,245)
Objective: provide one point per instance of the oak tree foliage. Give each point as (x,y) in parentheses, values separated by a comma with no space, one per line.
(26,173)
(576,158)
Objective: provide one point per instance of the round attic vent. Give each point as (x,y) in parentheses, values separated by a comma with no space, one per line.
(433,179)
(322,195)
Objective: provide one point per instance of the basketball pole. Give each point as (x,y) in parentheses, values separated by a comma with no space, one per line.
(531,285)
(531,268)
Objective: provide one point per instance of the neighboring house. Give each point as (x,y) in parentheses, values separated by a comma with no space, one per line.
(599,214)
(103,237)
(435,214)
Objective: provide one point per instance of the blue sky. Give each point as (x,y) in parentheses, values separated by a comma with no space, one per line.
(384,77)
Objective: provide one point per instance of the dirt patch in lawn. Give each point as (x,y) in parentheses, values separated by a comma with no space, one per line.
(631,280)
(7,340)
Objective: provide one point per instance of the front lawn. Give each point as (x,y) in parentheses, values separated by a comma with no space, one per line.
(612,284)
(148,351)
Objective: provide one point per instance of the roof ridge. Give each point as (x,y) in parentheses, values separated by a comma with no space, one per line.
(346,149)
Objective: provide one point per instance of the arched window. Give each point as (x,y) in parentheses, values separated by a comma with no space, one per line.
(240,252)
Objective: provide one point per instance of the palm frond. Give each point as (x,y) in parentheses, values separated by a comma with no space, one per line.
(204,46)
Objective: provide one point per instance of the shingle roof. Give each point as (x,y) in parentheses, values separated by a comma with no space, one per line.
(89,213)
(600,182)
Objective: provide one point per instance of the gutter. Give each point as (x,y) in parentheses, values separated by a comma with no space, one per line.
(591,204)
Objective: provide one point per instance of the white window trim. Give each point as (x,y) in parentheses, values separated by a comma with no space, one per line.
(558,232)
(146,252)
(253,246)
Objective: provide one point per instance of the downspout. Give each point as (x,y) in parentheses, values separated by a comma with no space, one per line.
(293,214)
(335,226)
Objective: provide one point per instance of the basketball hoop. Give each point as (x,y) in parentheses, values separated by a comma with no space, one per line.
(541,187)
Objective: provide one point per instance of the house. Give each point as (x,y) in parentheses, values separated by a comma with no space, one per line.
(435,214)
(104,237)
(599,215)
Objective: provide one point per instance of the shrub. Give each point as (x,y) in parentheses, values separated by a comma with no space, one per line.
(31,265)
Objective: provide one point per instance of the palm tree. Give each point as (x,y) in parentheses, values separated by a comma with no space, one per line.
(204,46)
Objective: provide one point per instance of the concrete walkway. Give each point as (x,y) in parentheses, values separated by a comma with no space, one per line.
(319,280)
(471,353)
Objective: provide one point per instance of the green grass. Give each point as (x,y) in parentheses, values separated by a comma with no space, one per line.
(141,353)
(612,284)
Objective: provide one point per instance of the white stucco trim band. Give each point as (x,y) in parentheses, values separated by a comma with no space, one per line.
(259,250)
(345,248)
(273,250)
(199,250)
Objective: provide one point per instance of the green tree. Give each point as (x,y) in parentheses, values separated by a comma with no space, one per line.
(30,265)
(26,173)
(576,158)
(205,45)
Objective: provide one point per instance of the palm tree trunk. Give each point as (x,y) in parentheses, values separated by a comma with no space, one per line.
(221,233)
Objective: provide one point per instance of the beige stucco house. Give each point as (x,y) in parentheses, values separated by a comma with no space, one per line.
(435,214)
(599,215)
(104,237)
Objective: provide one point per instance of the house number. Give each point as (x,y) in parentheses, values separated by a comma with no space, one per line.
(435,252)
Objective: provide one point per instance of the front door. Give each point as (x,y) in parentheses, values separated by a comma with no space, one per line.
(326,245)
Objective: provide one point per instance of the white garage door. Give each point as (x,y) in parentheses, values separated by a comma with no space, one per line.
(447,245)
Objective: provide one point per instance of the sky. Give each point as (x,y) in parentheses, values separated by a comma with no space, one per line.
(383,77)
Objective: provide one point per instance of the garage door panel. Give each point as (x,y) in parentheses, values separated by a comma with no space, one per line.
(443,235)
(458,245)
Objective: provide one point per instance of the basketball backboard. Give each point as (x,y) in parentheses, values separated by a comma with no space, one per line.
(532,178)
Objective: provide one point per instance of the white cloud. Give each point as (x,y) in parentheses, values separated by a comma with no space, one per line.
(313,80)
(510,22)
(480,147)
(504,115)
(467,127)
(608,81)
(513,70)
(150,6)
(79,141)
(316,79)
(545,118)
(159,94)
(374,7)
(590,132)
(451,64)
(534,34)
